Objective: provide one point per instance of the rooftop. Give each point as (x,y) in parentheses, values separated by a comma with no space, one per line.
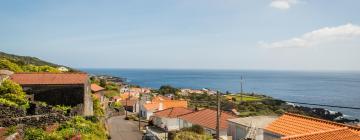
(96,88)
(165,104)
(294,125)
(207,118)
(49,78)
(257,121)
(172,112)
(334,134)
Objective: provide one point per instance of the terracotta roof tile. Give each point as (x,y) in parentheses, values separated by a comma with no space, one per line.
(207,118)
(294,124)
(49,78)
(334,134)
(166,104)
(172,112)
(96,88)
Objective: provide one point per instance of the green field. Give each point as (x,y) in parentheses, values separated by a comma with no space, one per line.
(245,98)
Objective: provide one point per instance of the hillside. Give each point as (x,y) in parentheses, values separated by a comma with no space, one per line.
(18,63)
(26,60)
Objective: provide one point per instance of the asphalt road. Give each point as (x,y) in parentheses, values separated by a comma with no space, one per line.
(121,129)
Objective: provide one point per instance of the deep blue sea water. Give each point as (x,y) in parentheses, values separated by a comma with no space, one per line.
(333,88)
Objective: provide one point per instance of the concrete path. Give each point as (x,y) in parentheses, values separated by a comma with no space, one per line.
(121,129)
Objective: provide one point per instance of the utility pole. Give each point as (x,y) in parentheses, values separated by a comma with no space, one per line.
(218,116)
(241,86)
(139,111)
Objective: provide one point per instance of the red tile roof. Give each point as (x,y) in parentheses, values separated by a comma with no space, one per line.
(290,125)
(207,118)
(96,88)
(49,78)
(334,134)
(166,104)
(294,124)
(172,112)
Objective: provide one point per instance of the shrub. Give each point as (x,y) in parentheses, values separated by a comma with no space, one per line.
(186,135)
(87,129)
(111,93)
(13,92)
(10,130)
(195,128)
(62,108)
(34,134)
(6,64)
(98,111)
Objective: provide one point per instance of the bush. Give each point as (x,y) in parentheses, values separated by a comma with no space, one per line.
(6,64)
(111,93)
(195,128)
(10,130)
(87,129)
(13,93)
(62,108)
(35,134)
(186,135)
(98,111)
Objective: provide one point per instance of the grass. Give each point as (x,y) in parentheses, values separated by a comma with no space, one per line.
(245,98)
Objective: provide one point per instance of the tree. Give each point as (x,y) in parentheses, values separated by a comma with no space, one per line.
(13,92)
(167,89)
(102,82)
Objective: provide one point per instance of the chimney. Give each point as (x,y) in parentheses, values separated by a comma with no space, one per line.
(161,106)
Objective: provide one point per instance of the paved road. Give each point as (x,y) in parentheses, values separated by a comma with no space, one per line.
(121,129)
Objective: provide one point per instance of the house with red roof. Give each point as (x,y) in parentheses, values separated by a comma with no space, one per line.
(298,127)
(168,118)
(99,93)
(207,119)
(160,103)
(71,89)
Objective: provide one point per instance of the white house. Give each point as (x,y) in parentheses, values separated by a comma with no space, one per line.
(249,127)
(206,118)
(167,118)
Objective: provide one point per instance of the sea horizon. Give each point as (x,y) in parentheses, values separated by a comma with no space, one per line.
(333,88)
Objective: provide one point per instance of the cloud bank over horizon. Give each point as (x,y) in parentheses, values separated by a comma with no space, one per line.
(345,34)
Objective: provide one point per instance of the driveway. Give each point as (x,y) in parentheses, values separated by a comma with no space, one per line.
(121,129)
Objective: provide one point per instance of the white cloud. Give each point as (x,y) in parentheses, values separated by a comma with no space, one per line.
(282,4)
(325,36)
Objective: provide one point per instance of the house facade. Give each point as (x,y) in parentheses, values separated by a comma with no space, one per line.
(207,119)
(160,103)
(249,127)
(70,89)
(168,118)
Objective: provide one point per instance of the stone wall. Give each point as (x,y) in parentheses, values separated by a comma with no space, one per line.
(36,120)
(9,112)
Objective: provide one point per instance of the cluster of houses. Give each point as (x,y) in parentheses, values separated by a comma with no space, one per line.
(74,89)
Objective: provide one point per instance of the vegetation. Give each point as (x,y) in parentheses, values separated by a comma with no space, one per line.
(167,89)
(111,86)
(98,110)
(25,60)
(13,66)
(12,94)
(77,125)
(194,132)
(111,93)
(62,108)
(10,130)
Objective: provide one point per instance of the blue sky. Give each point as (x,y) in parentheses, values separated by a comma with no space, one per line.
(186,34)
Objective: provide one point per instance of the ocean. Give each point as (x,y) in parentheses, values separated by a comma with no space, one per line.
(331,88)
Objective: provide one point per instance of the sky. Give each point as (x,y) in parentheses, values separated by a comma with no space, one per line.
(186,34)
